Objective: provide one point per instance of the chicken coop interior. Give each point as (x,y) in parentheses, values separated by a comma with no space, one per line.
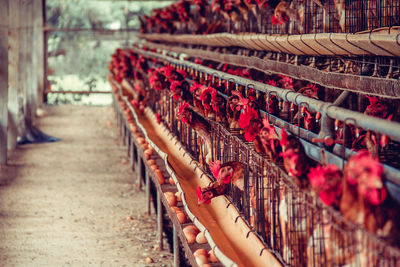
(260,132)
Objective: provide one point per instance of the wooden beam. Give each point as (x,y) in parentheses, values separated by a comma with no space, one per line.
(3,80)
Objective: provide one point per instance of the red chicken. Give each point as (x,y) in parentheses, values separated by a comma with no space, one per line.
(139,96)
(233,111)
(364,202)
(272,102)
(284,12)
(204,195)
(157,80)
(180,90)
(376,108)
(249,123)
(196,89)
(206,97)
(326,181)
(229,172)
(363,190)
(295,160)
(219,106)
(267,142)
(369,139)
(200,126)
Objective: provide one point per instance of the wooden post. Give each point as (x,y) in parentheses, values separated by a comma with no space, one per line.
(3,79)
(38,53)
(29,86)
(15,88)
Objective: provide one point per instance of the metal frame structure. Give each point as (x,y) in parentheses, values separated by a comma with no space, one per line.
(298,234)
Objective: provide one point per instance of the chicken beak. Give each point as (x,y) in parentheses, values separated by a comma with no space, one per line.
(378,184)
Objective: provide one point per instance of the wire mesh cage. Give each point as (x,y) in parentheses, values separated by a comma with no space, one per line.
(291,220)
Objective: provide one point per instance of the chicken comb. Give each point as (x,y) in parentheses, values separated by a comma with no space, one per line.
(271,82)
(242,101)
(372,100)
(175,84)
(238,94)
(215,167)
(182,107)
(286,79)
(195,86)
(168,70)
(284,142)
(267,125)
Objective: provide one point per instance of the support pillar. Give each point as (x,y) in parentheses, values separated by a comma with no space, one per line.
(15,87)
(38,54)
(3,79)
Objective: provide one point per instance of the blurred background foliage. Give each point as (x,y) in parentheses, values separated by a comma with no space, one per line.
(81,36)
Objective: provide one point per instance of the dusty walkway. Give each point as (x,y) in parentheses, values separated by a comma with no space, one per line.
(73,203)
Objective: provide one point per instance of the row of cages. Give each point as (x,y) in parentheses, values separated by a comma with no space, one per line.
(303,222)
(272,16)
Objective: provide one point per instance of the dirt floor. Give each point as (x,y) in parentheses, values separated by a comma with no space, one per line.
(74,202)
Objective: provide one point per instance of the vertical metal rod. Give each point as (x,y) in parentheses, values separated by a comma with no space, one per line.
(120,122)
(133,159)
(160,225)
(129,137)
(124,132)
(139,172)
(176,247)
(147,191)
(127,134)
